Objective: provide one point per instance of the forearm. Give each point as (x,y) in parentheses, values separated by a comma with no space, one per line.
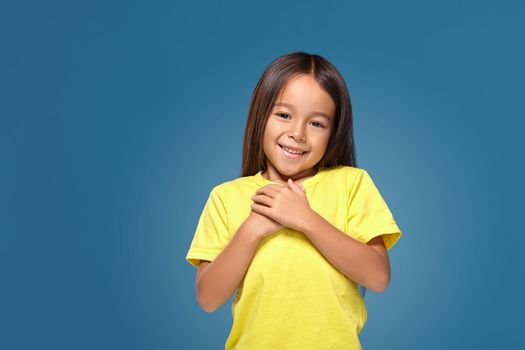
(223,275)
(356,260)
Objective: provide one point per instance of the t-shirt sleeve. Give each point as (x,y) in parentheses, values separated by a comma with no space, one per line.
(211,235)
(368,213)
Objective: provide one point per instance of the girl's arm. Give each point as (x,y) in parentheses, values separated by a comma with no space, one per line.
(217,281)
(366,264)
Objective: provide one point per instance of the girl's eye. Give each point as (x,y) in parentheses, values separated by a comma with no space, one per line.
(318,125)
(279,114)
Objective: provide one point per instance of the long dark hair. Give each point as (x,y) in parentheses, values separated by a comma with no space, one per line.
(340,149)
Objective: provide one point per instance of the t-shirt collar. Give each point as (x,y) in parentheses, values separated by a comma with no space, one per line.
(309,182)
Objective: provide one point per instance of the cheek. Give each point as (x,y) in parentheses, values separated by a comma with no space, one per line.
(271,134)
(267,139)
(322,142)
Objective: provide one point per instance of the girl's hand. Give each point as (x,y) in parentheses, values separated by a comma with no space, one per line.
(288,205)
(261,225)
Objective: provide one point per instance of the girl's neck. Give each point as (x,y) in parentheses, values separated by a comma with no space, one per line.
(273,175)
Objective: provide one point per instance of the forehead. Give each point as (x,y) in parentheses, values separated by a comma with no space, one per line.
(304,95)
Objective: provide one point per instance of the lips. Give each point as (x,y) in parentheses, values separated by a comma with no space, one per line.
(291,155)
(292,148)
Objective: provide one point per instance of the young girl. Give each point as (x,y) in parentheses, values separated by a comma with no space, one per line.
(303,227)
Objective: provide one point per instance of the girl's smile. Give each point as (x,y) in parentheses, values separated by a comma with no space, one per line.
(298,130)
(292,152)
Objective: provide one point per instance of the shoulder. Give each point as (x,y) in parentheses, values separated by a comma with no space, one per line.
(344,172)
(346,178)
(234,186)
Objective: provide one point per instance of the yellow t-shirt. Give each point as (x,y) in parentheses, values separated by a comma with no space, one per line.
(291,297)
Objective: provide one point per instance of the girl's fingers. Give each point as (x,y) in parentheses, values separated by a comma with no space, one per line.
(292,184)
(262,199)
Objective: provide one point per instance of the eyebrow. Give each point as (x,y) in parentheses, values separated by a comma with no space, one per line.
(284,104)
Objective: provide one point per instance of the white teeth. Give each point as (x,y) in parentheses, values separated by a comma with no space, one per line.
(291,151)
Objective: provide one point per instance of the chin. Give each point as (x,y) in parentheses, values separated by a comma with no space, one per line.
(290,172)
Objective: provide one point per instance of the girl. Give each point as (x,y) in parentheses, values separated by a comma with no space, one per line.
(302,227)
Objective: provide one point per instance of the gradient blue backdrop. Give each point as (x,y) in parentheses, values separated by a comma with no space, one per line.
(118,118)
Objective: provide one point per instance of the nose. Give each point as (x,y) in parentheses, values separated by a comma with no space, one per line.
(296,132)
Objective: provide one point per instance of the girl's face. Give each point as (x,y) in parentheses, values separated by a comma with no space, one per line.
(301,119)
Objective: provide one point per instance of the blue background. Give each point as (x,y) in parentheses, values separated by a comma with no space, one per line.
(118,118)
